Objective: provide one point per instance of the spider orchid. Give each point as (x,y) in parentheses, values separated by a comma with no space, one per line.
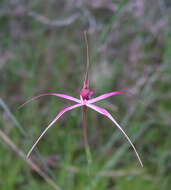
(85,101)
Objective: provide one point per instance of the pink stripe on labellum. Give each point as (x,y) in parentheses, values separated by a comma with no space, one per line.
(107,114)
(50,125)
(104,96)
(52,94)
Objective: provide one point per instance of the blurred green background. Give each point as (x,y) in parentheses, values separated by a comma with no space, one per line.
(42,50)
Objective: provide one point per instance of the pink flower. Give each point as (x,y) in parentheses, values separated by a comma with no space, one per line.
(85,101)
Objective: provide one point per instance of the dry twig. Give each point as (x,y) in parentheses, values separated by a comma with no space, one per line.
(8,141)
(44,20)
(15,149)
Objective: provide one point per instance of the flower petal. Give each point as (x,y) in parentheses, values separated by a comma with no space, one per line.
(56,118)
(53,94)
(107,114)
(104,96)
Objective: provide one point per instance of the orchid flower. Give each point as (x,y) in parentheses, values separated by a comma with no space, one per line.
(84,101)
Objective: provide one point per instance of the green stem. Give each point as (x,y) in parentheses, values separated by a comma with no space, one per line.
(86,144)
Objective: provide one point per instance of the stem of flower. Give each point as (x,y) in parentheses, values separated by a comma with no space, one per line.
(86,144)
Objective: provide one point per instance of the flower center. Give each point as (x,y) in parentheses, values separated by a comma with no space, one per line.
(86,93)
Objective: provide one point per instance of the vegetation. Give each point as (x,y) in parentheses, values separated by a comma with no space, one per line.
(42,50)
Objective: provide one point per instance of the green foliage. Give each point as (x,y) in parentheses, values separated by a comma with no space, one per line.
(128,51)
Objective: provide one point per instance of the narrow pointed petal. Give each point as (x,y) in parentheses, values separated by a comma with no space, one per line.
(53,94)
(104,96)
(50,125)
(86,81)
(107,114)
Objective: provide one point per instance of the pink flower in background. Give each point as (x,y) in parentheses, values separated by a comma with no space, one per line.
(85,101)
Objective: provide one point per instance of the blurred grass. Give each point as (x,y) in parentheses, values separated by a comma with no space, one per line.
(130,49)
